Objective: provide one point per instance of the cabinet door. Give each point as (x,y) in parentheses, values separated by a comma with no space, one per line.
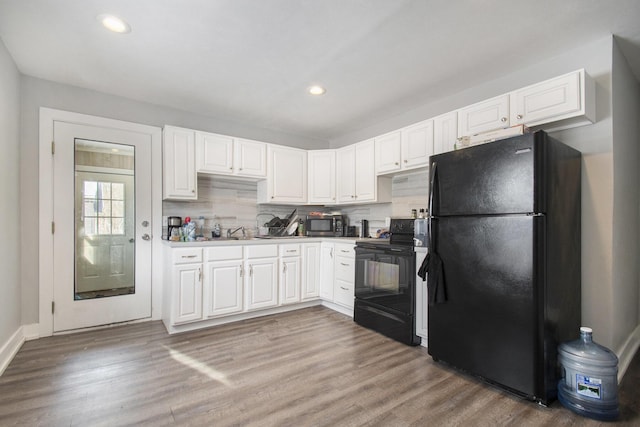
(222,291)
(445,132)
(322,176)
(187,296)
(179,164)
(310,271)
(290,280)
(287,175)
(547,101)
(344,289)
(250,158)
(261,283)
(417,144)
(484,116)
(365,171)
(387,152)
(214,153)
(326,270)
(345,174)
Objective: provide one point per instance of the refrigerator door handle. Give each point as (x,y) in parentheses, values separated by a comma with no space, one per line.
(434,168)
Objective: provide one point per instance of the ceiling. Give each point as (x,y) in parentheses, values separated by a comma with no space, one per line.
(251,61)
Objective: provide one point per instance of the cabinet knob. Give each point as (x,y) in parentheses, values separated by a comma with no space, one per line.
(240,169)
(406,161)
(193,191)
(504,119)
(231,168)
(396,163)
(519,116)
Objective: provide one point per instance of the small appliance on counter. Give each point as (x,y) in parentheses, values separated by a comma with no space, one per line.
(325,225)
(350,231)
(173,223)
(364,228)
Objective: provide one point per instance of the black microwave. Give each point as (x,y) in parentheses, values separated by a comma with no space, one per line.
(325,226)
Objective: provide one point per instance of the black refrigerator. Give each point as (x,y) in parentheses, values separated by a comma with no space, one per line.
(504,268)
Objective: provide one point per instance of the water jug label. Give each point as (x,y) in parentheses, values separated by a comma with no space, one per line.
(589,386)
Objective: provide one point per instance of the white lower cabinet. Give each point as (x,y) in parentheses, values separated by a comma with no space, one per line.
(261,276)
(186,292)
(223,281)
(421,298)
(290,273)
(345,270)
(310,285)
(207,285)
(327,261)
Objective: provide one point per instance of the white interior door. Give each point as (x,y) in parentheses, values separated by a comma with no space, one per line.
(102,216)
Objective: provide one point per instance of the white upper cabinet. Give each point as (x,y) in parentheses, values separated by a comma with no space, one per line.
(356,175)
(286,176)
(220,154)
(417,144)
(322,177)
(365,172)
(345,174)
(250,158)
(484,116)
(445,132)
(407,148)
(214,153)
(388,148)
(570,96)
(179,166)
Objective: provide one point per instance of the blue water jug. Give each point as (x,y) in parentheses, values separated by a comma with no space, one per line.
(589,378)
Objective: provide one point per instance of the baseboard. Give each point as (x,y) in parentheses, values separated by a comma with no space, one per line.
(31,331)
(339,308)
(10,348)
(629,350)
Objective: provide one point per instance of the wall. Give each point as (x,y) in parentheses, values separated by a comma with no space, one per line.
(38,93)
(625,292)
(233,203)
(10,312)
(605,213)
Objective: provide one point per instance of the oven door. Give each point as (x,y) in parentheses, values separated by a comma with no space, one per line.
(385,276)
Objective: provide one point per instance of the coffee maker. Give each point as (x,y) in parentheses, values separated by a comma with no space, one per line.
(173,223)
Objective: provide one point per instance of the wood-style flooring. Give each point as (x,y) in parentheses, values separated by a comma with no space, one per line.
(311,367)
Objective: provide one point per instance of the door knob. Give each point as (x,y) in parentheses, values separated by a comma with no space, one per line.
(145,236)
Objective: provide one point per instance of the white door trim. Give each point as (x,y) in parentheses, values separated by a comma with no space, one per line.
(45,240)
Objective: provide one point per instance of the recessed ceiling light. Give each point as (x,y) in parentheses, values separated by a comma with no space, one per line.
(113,23)
(316,90)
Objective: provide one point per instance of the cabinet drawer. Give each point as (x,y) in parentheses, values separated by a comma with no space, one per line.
(344,293)
(261,251)
(187,255)
(223,253)
(290,250)
(345,250)
(345,269)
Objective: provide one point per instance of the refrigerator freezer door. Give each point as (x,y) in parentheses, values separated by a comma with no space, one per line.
(493,178)
(487,325)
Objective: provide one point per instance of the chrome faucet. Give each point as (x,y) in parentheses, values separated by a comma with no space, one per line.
(230,233)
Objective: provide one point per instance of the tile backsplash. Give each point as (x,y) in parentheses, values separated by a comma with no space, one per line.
(233,203)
